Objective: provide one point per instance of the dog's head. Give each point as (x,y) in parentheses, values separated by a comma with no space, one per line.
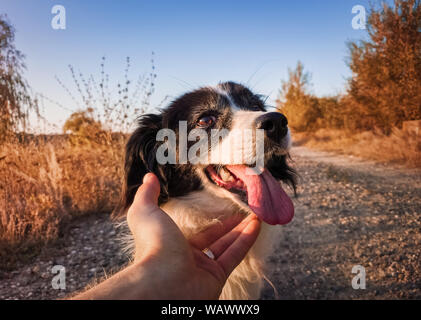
(210,139)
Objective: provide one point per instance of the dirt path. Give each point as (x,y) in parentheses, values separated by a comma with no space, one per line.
(349,212)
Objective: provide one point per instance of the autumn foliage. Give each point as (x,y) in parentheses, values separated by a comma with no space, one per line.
(385,87)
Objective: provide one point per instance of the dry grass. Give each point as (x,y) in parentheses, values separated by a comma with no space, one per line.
(45,184)
(400,147)
(45,181)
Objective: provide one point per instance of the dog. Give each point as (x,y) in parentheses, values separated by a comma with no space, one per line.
(198,194)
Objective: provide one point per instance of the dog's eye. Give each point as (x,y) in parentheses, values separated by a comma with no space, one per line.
(206,121)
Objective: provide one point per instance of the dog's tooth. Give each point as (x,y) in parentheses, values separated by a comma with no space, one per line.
(231,178)
(225,175)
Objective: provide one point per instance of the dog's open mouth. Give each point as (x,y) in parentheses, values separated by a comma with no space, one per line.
(263,193)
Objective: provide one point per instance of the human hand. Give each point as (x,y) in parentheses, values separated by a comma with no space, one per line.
(188,272)
(169,266)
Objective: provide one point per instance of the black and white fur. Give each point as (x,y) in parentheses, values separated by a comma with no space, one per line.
(188,195)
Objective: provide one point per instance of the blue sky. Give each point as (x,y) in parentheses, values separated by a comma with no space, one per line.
(195,42)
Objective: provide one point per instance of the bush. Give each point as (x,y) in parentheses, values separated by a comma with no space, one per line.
(306,112)
(83,129)
(400,146)
(297,105)
(385,88)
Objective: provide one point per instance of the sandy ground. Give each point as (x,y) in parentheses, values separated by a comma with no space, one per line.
(349,212)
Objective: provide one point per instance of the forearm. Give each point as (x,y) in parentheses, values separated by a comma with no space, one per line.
(128,284)
(140,281)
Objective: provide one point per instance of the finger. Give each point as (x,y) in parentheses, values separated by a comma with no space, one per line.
(223,243)
(145,202)
(235,253)
(148,192)
(206,237)
(151,227)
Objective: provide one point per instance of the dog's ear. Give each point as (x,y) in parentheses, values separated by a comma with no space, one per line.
(141,159)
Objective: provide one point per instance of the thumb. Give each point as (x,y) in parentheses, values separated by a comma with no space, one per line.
(150,226)
(147,194)
(145,201)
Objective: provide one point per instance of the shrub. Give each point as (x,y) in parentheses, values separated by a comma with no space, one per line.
(306,112)
(295,102)
(83,129)
(385,87)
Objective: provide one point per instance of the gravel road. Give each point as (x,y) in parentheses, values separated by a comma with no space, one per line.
(349,212)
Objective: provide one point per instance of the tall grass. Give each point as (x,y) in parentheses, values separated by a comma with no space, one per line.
(47,180)
(114,104)
(400,147)
(45,184)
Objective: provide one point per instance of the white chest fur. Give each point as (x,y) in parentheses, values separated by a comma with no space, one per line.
(199,210)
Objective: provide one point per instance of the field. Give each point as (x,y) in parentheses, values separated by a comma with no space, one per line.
(49,180)
(46,182)
(348,212)
(401,147)
(357,149)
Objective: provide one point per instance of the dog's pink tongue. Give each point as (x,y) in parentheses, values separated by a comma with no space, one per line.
(265,196)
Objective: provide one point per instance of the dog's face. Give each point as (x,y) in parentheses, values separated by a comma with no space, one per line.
(232,125)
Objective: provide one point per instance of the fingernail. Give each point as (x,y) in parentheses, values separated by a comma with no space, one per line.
(147,178)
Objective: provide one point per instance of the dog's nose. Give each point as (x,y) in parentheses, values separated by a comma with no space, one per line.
(275,125)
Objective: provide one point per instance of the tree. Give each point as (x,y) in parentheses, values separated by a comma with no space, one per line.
(84,129)
(15,101)
(296,103)
(385,87)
